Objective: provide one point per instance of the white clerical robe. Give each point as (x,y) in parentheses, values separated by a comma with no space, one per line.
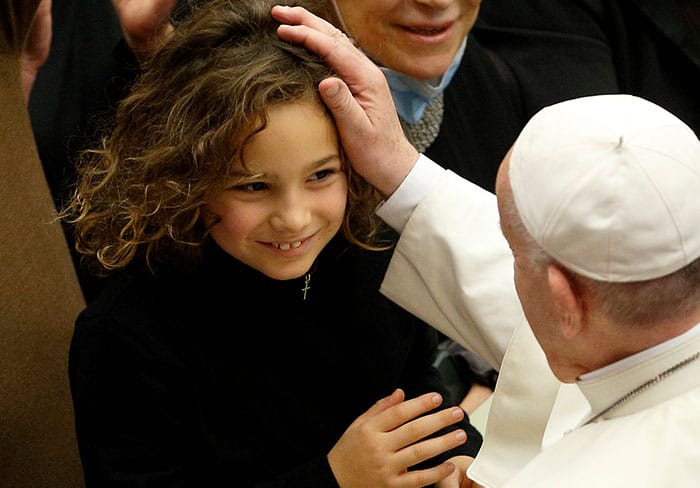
(650,440)
(453,268)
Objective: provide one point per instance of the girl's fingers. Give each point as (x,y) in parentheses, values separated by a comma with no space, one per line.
(383,404)
(427,449)
(427,477)
(302,27)
(397,415)
(419,428)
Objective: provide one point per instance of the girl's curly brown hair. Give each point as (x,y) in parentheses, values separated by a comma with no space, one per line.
(196,103)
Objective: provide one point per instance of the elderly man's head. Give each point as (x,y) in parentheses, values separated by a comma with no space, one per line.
(600,202)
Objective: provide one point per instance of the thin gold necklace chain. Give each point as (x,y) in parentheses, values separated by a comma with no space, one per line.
(644,387)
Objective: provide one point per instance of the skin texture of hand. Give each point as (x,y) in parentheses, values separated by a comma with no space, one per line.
(380,445)
(36,48)
(145,24)
(458,478)
(362,106)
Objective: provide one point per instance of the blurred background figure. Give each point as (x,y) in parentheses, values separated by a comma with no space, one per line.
(39,292)
(560,50)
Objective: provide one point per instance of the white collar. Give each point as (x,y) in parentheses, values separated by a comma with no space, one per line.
(641,356)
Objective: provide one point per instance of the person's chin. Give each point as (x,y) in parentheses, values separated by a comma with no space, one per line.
(425,67)
(290,270)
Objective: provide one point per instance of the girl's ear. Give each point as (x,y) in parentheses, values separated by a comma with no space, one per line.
(567,300)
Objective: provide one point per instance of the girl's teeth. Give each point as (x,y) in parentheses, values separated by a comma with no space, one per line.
(288,245)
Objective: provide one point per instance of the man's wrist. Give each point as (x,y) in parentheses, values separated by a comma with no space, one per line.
(398,208)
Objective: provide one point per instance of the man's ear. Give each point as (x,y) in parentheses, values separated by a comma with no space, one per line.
(566,299)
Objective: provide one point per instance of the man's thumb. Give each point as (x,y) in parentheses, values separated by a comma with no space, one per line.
(348,113)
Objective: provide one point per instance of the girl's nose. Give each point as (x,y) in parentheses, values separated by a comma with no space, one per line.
(292,214)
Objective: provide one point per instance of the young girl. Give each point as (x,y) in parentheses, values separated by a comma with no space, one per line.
(241,340)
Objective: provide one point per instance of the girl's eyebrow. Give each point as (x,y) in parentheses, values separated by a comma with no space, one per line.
(322,161)
(240,173)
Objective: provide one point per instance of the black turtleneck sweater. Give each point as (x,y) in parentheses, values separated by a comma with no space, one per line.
(224,377)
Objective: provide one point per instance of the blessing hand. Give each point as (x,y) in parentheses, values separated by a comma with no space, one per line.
(361,102)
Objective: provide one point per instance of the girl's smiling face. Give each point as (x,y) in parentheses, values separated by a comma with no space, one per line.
(278,212)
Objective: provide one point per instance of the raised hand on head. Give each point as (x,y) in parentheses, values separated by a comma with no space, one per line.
(36,47)
(359,100)
(145,24)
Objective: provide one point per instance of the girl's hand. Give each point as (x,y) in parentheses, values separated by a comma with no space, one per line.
(380,445)
(458,478)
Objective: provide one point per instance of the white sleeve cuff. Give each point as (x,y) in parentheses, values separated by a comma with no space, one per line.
(397,209)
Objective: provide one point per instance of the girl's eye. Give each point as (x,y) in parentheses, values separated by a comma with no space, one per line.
(321,175)
(251,187)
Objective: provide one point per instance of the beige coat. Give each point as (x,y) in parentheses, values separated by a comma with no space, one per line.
(39,293)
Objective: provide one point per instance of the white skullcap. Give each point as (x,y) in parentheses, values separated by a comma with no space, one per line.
(609,186)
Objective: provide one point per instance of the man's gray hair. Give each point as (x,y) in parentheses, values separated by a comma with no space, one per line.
(637,303)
